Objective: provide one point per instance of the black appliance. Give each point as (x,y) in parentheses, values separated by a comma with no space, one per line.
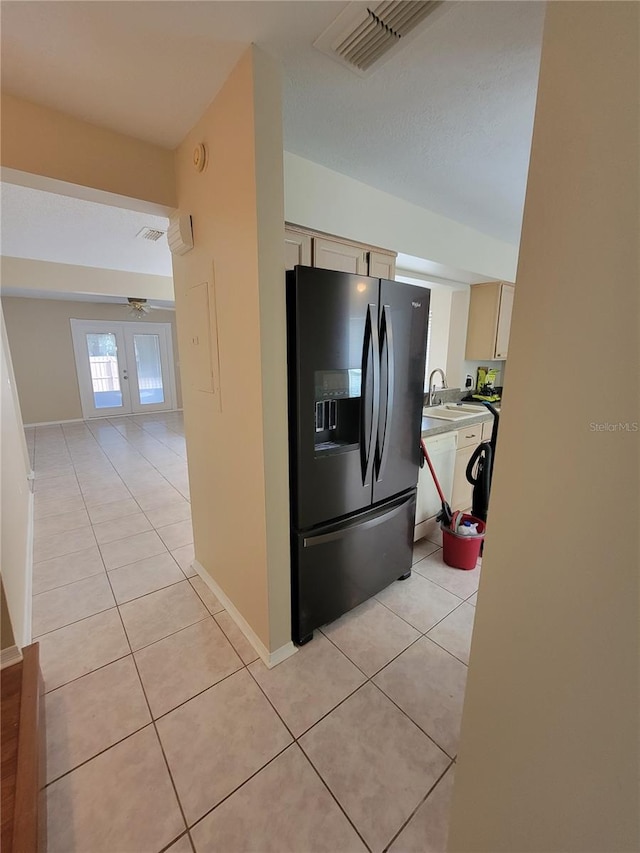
(356,355)
(479,470)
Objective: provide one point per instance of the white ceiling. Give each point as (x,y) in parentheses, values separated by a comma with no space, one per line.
(44,226)
(445,123)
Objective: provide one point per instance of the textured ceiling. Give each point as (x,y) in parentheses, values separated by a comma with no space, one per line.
(445,123)
(43,226)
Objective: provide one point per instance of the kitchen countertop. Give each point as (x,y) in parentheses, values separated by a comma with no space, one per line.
(437,426)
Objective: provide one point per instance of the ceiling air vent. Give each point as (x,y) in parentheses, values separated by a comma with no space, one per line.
(150,234)
(361,36)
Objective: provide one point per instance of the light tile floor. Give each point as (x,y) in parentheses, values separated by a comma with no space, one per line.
(164,729)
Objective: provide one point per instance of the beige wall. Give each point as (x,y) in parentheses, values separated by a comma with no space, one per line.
(548,758)
(16,503)
(40,329)
(42,141)
(28,275)
(238,476)
(320,198)
(6,631)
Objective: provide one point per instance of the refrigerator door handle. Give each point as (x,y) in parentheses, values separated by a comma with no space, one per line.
(386,343)
(370,362)
(382,516)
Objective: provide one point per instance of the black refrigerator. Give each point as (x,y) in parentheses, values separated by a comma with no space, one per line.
(356,359)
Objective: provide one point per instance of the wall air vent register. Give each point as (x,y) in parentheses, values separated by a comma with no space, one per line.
(152,234)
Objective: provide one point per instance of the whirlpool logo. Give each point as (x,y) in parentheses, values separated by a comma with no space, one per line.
(416,304)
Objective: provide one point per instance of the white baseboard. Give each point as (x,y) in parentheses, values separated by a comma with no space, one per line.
(270,659)
(28,604)
(55,423)
(426,529)
(10,656)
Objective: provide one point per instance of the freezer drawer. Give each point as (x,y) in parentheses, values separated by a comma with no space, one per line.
(338,566)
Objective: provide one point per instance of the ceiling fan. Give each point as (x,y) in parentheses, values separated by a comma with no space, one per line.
(138,307)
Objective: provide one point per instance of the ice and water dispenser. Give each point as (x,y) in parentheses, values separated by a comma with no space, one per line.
(337,409)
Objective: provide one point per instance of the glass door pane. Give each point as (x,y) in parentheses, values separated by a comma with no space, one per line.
(102,348)
(101,360)
(149,369)
(150,357)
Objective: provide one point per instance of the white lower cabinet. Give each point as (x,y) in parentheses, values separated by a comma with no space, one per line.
(442,452)
(468,439)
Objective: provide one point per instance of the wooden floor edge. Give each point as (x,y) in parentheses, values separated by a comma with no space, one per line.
(25,826)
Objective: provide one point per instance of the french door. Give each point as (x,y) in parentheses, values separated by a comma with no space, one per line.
(123,368)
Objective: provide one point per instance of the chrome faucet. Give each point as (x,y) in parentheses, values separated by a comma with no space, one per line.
(432,387)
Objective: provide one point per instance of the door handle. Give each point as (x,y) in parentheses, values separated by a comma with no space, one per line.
(343,531)
(370,363)
(386,341)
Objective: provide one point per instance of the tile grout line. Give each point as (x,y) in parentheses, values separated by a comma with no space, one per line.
(422,801)
(107,571)
(91,671)
(176,839)
(100,752)
(425,633)
(247,664)
(369,679)
(411,625)
(435,642)
(76,621)
(241,785)
(333,796)
(200,692)
(439,584)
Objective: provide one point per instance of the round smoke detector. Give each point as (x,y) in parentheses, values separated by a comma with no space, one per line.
(199,157)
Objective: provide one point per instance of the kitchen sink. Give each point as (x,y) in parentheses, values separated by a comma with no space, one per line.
(453,412)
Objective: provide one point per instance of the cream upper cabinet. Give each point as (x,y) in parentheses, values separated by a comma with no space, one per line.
(333,255)
(297,249)
(504,320)
(489,324)
(382,265)
(313,249)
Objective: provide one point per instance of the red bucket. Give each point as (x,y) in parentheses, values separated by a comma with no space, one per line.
(462,552)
